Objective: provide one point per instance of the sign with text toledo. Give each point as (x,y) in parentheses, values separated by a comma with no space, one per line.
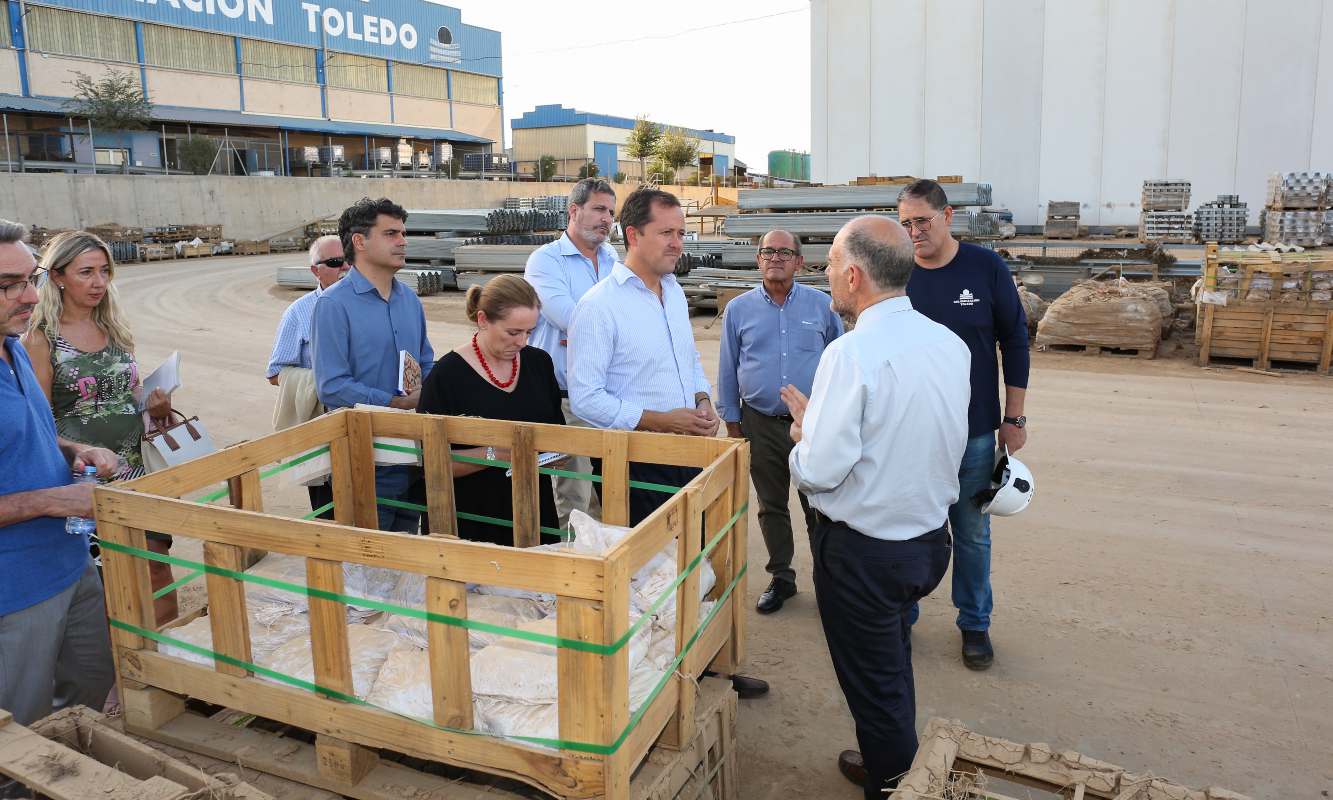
(415,31)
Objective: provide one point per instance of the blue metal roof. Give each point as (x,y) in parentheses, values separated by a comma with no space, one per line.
(212,116)
(554,116)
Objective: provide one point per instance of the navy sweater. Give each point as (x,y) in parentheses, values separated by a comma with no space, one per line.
(975,297)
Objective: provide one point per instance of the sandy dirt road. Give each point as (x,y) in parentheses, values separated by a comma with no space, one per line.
(1166,603)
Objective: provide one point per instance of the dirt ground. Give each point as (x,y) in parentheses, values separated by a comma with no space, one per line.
(1163,605)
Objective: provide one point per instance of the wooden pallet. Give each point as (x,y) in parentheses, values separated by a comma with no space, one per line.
(74,755)
(953,761)
(1093,350)
(705,767)
(591,594)
(250,248)
(1265,330)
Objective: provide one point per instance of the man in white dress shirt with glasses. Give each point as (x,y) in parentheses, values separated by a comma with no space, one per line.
(878,446)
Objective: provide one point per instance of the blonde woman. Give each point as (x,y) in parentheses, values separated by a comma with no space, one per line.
(83,355)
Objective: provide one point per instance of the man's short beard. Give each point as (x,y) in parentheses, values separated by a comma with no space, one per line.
(593,236)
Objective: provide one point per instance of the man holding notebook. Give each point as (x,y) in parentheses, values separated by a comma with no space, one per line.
(362,325)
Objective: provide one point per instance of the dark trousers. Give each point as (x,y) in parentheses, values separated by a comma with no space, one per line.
(321,495)
(865,589)
(643,502)
(770,445)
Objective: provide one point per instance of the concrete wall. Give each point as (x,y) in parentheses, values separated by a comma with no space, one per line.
(54,76)
(1073,99)
(350,104)
(281,98)
(9,72)
(172,87)
(247,208)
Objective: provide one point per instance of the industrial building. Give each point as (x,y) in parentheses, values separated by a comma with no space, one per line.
(575,138)
(1073,100)
(282,87)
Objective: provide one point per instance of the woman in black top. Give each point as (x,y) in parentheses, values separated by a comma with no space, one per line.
(497,376)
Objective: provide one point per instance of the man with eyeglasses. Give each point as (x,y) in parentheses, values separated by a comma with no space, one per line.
(291,365)
(969,290)
(772,336)
(55,650)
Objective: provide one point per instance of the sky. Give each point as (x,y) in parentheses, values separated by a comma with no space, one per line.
(736,66)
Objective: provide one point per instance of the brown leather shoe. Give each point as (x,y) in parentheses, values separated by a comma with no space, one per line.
(852,767)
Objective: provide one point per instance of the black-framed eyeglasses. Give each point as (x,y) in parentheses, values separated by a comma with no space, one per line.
(777,253)
(922,224)
(332,263)
(15,290)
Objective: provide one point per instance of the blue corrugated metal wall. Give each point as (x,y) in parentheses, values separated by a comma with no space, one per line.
(606,154)
(552,116)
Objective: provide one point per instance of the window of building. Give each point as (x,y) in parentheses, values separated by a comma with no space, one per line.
(279,62)
(4,25)
(115,156)
(420,81)
(178,48)
(472,88)
(346,71)
(70,33)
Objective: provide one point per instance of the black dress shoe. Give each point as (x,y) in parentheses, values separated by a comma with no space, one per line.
(852,767)
(773,597)
(977,651)
(748,688)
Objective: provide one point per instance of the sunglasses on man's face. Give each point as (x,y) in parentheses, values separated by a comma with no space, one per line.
(332,263)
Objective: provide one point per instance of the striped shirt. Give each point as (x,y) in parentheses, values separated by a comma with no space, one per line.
(561,275)
(630,352)
(291,348)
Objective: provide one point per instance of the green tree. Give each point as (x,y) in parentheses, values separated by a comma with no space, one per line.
(664,171)
(642,142)
(197,153)
(114,103)
(676,150)
(544,169)
(619,177)
(588,170)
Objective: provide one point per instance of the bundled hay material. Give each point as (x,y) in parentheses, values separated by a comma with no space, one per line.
(1111,314)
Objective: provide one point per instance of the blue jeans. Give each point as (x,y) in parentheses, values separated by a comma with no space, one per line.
(393,483)
(971,539)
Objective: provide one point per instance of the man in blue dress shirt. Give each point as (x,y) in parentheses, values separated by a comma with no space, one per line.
(361,324)
(772,335)
(562,272)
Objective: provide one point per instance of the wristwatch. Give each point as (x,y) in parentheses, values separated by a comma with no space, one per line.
(490,453)
(1019,421)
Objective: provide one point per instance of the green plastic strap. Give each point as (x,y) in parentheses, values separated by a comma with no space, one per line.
(417,613)
(326,507)
(491,462)
(560,744)
(171,587)
(269,473)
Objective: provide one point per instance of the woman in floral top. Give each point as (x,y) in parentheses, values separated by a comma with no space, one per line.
(83,354)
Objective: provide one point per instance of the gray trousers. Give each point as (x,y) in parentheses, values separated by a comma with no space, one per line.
(770,444)
(57,653)
(572,493)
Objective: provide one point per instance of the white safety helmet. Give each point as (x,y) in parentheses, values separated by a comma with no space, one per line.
(1011,486)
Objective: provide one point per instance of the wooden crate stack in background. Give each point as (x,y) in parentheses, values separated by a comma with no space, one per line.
(1165,216)
(1062,219)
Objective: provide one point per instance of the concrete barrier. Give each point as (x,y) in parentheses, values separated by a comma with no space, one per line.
(248,208)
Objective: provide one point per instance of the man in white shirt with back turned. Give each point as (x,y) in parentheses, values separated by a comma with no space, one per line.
(878,446)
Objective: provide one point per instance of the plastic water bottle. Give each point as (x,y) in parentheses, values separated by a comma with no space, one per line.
(76,526)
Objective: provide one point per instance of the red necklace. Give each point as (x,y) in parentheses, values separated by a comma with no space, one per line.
(487,367)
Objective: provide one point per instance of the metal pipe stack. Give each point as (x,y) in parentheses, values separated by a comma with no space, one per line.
(812,198)
(1222,220)
(433,248)
(826,224)
(483,220)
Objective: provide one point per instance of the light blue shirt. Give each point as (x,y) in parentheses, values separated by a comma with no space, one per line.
(766,346)
(886,425)
(291,348)
(562,275)
(630,352)
(356,339)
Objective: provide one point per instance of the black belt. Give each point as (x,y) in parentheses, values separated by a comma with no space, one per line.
(783,417)
(824,519)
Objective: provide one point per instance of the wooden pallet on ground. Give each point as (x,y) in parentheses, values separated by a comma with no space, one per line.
(1264,330)
(600,742)
(955,762)
(1093,350)
(248,247)
(73,755)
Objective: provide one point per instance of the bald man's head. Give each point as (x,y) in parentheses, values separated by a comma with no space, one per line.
(881,248)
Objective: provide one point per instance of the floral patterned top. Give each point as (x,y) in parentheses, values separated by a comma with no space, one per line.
(92,397)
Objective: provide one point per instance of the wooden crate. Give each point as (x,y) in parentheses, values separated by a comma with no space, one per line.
(248,247)
(953,761)
(196,250)
(948,178)
(74,755)
(156,252)
(592,594)
(1264,330)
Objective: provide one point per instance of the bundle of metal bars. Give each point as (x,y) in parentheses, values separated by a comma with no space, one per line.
(810,198)
(1295,190)
(742,254)
(826,224)
(484,220)
(433,248)
(1222,220)
(546,202)
(1166,195)
(1304,228)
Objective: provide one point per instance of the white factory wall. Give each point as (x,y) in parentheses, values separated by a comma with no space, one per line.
(1073,99)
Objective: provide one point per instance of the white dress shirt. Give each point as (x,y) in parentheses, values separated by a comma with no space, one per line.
(630,352)
(886,426)
(562,275)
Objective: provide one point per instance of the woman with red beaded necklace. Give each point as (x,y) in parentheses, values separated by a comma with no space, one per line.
(498,376)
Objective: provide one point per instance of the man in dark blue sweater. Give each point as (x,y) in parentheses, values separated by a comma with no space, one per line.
(969,290)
